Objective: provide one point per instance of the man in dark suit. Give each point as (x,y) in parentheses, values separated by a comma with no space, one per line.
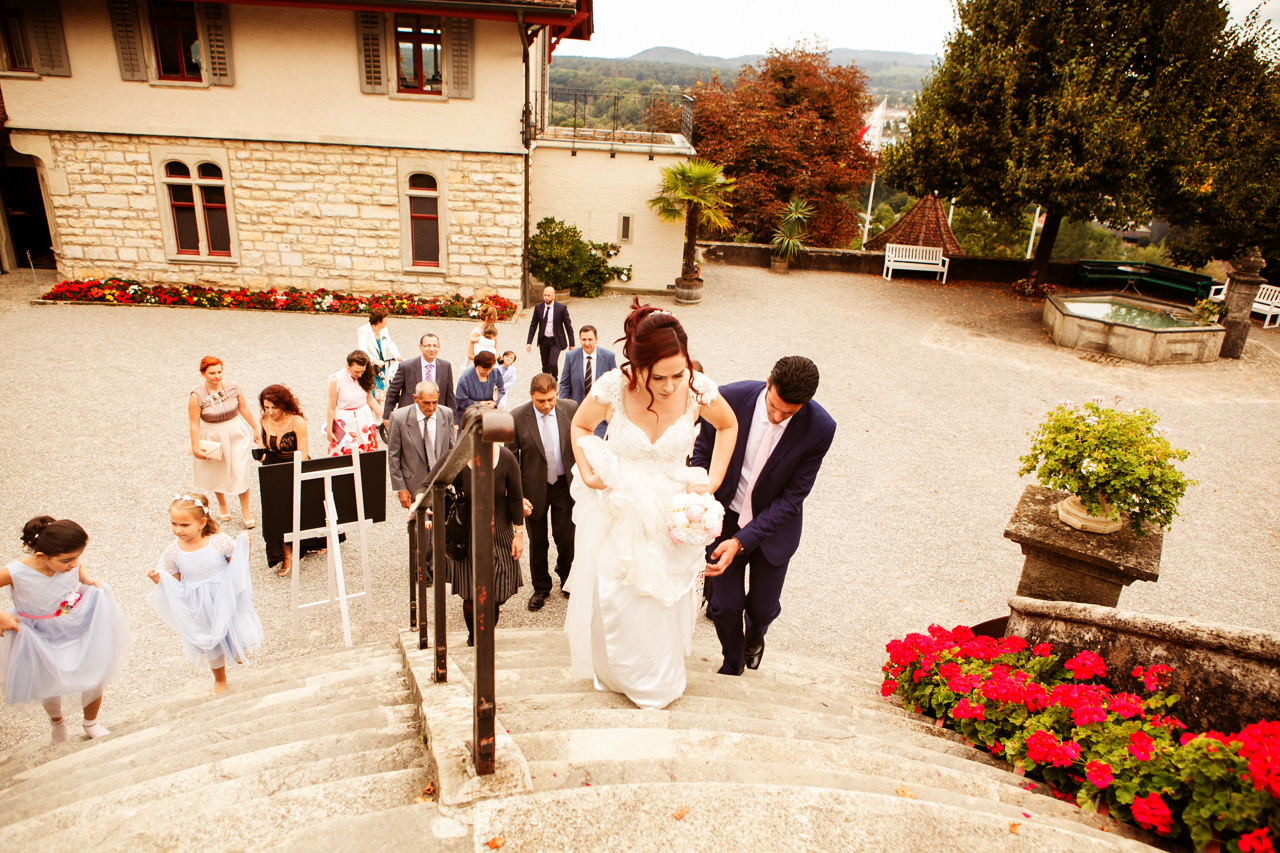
(550,324)
(428,368)
(420,436)
(543,447)
(783,436)
(584,365)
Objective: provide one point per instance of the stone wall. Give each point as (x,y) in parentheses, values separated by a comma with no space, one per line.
(1225,674)
(307,215)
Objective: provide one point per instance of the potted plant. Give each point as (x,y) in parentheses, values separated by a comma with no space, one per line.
(1112,462)
(561,258)
(788,238)
(1207,312)
(697,192)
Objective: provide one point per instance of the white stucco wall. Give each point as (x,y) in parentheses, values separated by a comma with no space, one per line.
(593,190)
(297,79)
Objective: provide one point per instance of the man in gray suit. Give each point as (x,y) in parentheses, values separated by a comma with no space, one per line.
(543,447)
(584,365)
(420,436)
(428,368)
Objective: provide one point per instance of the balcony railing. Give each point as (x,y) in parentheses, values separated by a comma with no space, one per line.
(475,442)
(627,118)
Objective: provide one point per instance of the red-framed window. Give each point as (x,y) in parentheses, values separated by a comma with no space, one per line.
(198,205)
(424,219)
(177,40)
(13,27)
(418,54)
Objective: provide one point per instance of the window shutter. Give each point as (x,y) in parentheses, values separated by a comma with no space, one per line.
(124,27)
(48,47)
(369,33)
(216,24)
(461,33)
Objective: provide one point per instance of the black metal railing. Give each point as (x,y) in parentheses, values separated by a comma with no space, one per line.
(475,443)
(634,118)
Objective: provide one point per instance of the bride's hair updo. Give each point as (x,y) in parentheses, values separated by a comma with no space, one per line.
(649,335)
(46,535)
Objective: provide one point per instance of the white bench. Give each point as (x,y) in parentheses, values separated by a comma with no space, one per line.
(926,258)
(1266,303)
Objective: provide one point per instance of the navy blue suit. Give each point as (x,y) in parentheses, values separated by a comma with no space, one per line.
(773,534)
(573,385)
(550,346)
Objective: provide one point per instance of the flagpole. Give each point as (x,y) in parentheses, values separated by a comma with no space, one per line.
(876,128)
(1035,220)
(866,219)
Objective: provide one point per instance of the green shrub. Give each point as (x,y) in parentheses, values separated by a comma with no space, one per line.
(561,258)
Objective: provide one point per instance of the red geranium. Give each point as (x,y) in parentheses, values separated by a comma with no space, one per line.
(1098,774)
(1256,842)
(1086,665)
(1125,705)
(1141,746)
(1151,813)
(966,710)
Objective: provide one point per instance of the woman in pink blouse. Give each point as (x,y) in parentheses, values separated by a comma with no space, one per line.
(222,433)
(353,418)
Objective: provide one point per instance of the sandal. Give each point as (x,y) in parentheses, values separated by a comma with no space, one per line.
(224,516)
(283,571)
(249,524)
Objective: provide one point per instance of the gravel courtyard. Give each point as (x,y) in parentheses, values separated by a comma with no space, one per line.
(934,389)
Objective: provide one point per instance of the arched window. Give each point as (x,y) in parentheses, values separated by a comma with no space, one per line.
(424,219)
(198,205)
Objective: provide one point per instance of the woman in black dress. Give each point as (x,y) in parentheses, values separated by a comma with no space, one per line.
(284,433)
(508,530)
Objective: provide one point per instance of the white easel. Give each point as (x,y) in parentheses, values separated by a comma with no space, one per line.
(330,531)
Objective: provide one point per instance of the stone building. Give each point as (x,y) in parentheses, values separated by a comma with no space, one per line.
(348,145)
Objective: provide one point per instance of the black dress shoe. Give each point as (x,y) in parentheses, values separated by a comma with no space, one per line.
(537,600)
(755,653)
(725,669)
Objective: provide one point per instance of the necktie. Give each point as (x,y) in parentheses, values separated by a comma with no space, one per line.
(586,379)
(762,456)
(428,372)
(549,448)
(427,442)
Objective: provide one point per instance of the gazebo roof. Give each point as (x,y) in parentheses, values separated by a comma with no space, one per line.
(925,224)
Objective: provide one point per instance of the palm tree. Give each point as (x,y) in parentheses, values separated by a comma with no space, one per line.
(696,191)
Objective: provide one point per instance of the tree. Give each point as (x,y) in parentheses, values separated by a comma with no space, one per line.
(789,126)
(697,192)
(560,257)
(1081,106)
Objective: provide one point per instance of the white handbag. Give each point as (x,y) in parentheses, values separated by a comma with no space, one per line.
(212,449)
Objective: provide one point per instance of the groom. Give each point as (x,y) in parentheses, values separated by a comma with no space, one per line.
(782,438)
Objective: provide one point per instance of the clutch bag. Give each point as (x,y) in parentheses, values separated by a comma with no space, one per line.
(212,449)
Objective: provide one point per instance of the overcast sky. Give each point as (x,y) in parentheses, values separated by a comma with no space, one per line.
(741,27)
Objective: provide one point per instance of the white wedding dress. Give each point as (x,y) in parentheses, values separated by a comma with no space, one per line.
(631,613)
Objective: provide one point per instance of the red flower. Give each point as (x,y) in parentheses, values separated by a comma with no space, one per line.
(1256,842)
(1086,665)
(1044,748)
(1098,774)
(1125,705)
(966,710)
(1155,676)
(1042,650)
(888,687)
(1260,746)
(1141,746)
(1151,813)
(1086,714)
(963,683)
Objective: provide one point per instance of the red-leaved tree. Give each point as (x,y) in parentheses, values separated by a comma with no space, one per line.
(789,126)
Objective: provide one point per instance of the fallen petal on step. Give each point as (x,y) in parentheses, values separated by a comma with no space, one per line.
(679,815)
(1013,827)
(495,842)
(904,792)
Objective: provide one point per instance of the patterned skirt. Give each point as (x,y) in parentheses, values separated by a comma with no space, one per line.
(353,426)
(506,570)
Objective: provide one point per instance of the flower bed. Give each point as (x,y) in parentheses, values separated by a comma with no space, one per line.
(1124,751)
(127,292)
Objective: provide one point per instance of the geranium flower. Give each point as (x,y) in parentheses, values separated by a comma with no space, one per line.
(1044,748)
(1098,774)
(887,688)
(1257,841)
(966,710)
(1154,677)
(1086,665)
(1042,650)
(1141,746)
(1125,705)
(1151,813)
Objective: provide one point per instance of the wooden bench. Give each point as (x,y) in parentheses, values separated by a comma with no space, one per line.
(1267,303)
(926,258)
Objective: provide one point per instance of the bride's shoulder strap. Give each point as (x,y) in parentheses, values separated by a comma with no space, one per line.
(608,388)
(705,391)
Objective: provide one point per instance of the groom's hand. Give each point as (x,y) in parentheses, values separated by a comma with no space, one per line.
(723,555)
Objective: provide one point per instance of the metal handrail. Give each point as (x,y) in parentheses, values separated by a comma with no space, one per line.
(475,443)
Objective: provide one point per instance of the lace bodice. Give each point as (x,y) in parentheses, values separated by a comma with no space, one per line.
(197,567)
(628,441)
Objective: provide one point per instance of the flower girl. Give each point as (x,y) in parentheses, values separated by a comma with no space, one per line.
(67,635)
(203,589)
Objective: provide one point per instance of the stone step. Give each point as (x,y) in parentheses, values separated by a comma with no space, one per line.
(345,730)
(413,827)
(746,817)
(254,824)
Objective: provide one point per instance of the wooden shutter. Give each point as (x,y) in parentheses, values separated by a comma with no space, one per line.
(461,36)
(216,37)
(369,35)
(48,46)
(128,36)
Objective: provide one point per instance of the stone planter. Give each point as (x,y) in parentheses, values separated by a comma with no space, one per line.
(778,265)
(1073,513)
(688,291)
(562,296)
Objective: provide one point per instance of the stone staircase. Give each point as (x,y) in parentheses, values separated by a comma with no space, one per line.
(287,748)
(325,752)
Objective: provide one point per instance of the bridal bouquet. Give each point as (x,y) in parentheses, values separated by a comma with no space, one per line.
(694,519)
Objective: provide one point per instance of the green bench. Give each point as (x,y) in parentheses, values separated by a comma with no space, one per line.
(1119,275)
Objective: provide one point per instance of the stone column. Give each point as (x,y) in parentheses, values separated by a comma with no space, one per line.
(1065,564)
(1242,287)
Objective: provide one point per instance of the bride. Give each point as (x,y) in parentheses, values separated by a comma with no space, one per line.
(631,614)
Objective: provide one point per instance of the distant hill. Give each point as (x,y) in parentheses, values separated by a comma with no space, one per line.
(867,59)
